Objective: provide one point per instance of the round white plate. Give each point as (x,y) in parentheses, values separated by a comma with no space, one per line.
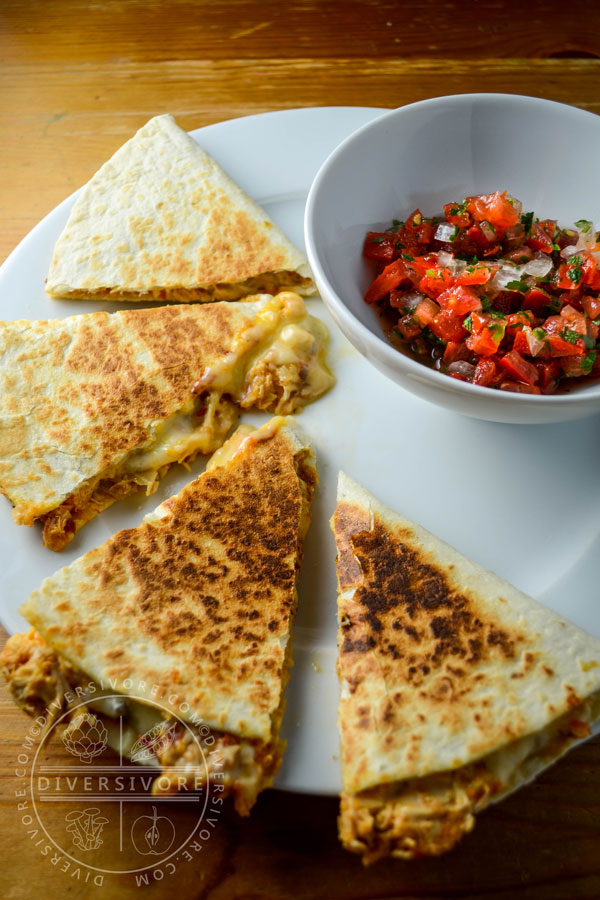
(521,500)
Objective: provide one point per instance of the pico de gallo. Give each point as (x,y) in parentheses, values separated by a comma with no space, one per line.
(491,295)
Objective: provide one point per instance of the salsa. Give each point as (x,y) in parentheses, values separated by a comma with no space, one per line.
(491,295)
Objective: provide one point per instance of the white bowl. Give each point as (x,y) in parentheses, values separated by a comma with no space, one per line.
(424,155)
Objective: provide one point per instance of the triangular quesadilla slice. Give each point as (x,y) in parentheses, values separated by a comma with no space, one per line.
(195,605)
(97,406)
(456,688)
(162,221)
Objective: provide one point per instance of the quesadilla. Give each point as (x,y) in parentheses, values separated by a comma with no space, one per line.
(456,688)
(162,221)
(97,406)
(196,604)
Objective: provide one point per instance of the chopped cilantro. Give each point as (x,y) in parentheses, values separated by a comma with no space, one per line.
(575,260)
(575,274)
(567,334)
(486,304)
(587,363)
(497,330)
(556,248)
(588,341)
(398,246)
(527,221)
(377,240)
(583,225)
(554,304)
(495,314)
(427,333)
(455,234)
(397,223)
(539,333)
(520,286)
(407,256)
(468,323)
(455,211)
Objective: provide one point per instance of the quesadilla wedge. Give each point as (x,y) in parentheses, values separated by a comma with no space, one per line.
(456,688)
(196,604)
(162,221)
(97,406)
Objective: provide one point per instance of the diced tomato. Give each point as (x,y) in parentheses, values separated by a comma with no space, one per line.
(549,375)
(447,326)
(476,275)
(476,235)
(392,276)
(456,214)
(495,208)
(460,300)
(572,366)
(518,387)
(426,312)
(539,239)
(519,319)
(456,350)
(520,254)
(536,299)
(416,233)
(575,320)
(486,372)
(486,342)
(560,347)
(380,246)
(592,306)
(437,281)
(569,276)
(521,344)
(518,368)
(409,327)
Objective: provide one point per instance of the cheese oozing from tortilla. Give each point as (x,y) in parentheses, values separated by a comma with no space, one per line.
(427,816)
(277,364)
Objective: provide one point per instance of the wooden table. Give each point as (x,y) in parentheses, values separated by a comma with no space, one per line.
(76,80)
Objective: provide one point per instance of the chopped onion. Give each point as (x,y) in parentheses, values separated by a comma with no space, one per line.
(516,204)
(535,344)
(448,261)
(445,232)
(412,300)
(489,232)
(515,236)
(461,367)
(586,240)
(539,266)
(504,275)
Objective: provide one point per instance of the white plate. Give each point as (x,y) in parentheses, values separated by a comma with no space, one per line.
(522,501)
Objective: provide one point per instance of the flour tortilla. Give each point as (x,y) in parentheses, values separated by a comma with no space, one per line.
(198,600)
(84,400)
(162,221)
(447,672)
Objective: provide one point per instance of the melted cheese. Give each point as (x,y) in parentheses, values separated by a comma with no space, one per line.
(283,340)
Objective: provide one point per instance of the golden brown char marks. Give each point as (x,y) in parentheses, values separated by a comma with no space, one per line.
(404,600)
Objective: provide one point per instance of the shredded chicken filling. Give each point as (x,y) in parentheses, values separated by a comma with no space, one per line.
(268,283)
(427,816)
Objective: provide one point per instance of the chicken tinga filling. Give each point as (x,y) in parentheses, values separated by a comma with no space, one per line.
(427,816)
(267,283)
(186,755)
(278,365)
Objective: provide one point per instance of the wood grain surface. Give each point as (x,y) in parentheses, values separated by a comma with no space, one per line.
(76,79)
